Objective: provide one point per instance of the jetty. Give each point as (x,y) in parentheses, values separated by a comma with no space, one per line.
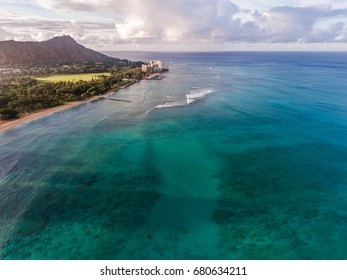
(114,99)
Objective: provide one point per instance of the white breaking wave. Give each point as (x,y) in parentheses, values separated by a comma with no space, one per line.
(171,105)
(195,94)
(171,102)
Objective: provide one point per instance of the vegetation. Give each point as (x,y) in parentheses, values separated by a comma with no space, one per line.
(7,114)
(8,73)
(73,77)
(23,94)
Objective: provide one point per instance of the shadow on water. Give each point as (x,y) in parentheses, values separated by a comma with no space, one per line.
(96,204)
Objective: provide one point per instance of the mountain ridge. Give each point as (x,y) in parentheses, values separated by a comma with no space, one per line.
(63,49)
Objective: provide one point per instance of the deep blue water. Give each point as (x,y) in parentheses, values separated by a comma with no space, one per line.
(231,156)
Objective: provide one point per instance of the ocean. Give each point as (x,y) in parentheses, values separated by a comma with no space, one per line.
(237,155)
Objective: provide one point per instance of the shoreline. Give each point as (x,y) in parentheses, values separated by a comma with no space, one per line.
(6,125)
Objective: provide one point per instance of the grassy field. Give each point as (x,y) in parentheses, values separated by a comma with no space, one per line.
(72,77)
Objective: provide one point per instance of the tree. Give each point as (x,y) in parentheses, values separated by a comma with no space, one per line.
(7,114)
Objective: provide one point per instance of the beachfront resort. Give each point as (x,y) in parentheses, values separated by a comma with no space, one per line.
(153,70)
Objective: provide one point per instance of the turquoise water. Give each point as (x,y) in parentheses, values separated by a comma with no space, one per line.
(253,167)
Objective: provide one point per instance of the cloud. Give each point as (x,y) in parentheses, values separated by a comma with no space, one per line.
(74,5)
(155,19)
(5,35)
(297,24)
(335,32)
(132,28)
(40,30)
(188,22)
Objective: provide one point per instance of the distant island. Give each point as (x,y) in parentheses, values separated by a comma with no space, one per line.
(41,75)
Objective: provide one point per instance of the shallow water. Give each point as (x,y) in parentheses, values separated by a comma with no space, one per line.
(231,156)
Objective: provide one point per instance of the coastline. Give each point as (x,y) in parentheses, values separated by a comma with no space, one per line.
(9,124)
(6,125)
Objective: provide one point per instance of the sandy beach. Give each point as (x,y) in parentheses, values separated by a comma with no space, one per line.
(5,125)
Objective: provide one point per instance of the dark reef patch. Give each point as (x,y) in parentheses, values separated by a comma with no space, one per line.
(284,203)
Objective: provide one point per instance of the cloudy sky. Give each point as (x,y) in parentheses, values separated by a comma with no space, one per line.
(180,25)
